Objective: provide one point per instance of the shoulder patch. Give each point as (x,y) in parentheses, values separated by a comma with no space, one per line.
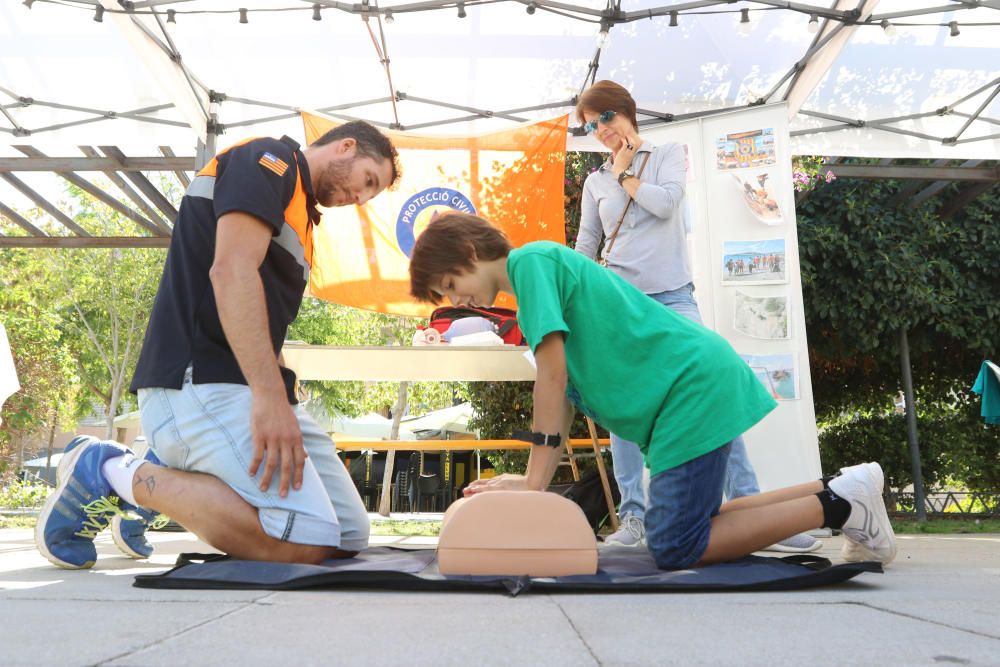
(274,163)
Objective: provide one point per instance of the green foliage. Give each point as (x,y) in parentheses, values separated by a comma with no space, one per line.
(76,318)
(954,445)
(45,368)
(323,323)
(870,271)
(578,167)
(20,495)
(949,526)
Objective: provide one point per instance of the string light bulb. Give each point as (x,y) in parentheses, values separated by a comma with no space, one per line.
(813,26)
(888,28)
(389,18)
(243,15)
(317,16)
(99,14)
(955,32)
(673,19)
(461,10)
(745,22)
(171,16)
(531,8)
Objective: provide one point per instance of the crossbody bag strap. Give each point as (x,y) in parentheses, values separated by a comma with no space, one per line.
(621,219)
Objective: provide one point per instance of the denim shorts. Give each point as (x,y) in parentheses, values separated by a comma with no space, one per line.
(206,428)
(682,502)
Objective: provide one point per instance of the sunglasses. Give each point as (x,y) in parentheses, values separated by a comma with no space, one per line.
(604,118)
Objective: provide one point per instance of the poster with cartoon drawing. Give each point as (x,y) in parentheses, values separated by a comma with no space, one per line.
(742,150)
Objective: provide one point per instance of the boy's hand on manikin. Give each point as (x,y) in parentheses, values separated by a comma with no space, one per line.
(506,482)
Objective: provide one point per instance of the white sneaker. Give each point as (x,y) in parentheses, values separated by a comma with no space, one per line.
(875,469)
(802,543)
(631,533)
(852,552)
(868,524)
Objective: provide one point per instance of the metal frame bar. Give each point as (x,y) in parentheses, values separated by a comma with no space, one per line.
(459,107)
(911,189)
(112,173)
(938,186)
(964,198)
(800,65)
(90,242)
(364,8)
(180,174)
(141,182)
(939,171)
(95,163)
(16,218)
(43,203)
(99,194)
(975,114)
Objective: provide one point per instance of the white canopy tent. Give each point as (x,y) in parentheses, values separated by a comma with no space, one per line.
(494,67)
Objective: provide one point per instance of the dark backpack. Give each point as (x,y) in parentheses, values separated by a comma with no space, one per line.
(589,495)
(503,319)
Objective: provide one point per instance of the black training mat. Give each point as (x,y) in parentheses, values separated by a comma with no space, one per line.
(620,570)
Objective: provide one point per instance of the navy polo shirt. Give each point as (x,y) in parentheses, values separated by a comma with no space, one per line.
(261,178)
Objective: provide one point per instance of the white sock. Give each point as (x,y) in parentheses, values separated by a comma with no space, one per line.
(119,472)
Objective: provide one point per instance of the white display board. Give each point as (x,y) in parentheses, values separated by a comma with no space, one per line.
(740,208)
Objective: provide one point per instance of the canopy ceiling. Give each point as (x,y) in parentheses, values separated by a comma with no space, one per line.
(147,86)
(497,58)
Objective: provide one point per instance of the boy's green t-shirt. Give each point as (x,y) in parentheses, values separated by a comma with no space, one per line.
(632,362)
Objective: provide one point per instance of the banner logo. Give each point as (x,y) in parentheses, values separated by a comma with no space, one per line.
(411,212)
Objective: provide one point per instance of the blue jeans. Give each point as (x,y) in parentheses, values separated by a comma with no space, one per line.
(682,502)
(740,479)
(206,428)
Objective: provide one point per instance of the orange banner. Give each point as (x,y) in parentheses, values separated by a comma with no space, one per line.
(512,178)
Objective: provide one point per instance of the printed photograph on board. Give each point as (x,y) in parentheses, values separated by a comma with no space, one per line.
(753,262)
(742,150)
(777,372)
(761,317)
(758,194)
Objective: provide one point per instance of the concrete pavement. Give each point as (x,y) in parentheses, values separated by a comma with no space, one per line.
(939,603)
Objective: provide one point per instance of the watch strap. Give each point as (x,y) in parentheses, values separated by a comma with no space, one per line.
(538,438)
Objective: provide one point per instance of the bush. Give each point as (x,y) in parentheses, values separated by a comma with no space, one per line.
(21,495)
(955,445)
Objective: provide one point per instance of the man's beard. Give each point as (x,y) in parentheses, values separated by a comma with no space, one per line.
(333,181)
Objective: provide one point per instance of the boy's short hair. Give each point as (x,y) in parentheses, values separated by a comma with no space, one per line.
(452,243)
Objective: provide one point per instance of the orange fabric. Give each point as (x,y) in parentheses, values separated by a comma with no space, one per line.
(513,178)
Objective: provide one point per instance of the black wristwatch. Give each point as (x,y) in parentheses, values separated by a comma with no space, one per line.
(628,173)
(538,438)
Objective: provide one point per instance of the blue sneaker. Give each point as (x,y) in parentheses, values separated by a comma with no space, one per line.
(129,534)
(81,506)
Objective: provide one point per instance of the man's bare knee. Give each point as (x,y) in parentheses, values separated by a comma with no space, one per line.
(309,554)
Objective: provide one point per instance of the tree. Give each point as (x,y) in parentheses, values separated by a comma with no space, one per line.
(106,296)
(45,368)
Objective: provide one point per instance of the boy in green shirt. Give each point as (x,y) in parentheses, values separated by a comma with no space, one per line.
(654,377)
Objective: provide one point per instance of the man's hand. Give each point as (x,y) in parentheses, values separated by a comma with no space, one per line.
(278,438)
(499,483)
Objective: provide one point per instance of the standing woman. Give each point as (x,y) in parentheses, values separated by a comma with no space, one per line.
(648,249)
